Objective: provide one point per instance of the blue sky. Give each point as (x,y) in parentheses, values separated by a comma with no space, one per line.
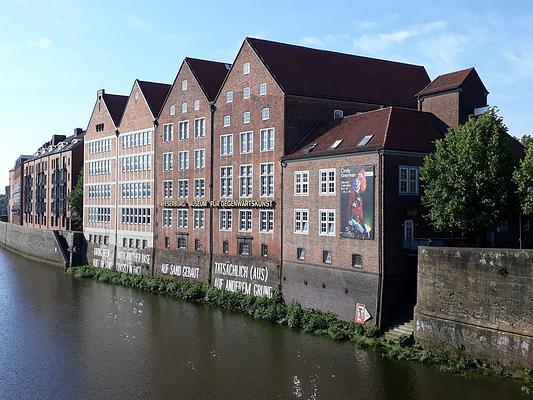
(54,55)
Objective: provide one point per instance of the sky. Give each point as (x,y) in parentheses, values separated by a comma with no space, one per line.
(55,55)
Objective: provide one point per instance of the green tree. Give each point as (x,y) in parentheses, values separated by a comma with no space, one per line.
(468,183)
(523,177)
(75,200)
(526,140)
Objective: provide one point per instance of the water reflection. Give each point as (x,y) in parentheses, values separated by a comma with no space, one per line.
(68,339)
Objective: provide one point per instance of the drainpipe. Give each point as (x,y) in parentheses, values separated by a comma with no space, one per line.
(155,216)
(283,165)
(381,276)
(212,108)
(117,133)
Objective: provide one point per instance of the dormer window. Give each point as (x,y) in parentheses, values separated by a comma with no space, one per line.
(336,144)
(245,68)
(338,114)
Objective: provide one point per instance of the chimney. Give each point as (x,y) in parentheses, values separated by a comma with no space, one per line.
(78,131)
(99,94)
(56,139)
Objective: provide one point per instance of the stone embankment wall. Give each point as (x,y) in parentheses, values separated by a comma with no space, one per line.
(477,300)
(61,248)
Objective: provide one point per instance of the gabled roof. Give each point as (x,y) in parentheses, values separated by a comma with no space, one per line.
(116,104)
(209,74)
(450,81)
(325,74)
(155,94)
(392,128)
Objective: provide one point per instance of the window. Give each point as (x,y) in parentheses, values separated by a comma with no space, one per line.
(226,181)
(183,130)
(357,261)
(183,188)
(265,113)
(172,110)
(336,144)
(262,89)
(167,242)
(246,93)
(300,253)
(183,158)
(199,219)
(196,105)
(199,158)
(167,189)
(266,221)
(145,243)
(267,139)
(301,221)
(227,120)
(327,222)
(199,187)
(246,142)
(225,220)
(229,96)
(225,247)
(327,256)
(327,181)
(267,179)
(245,220)
(168,132)
(245,247)
(245,181)
(183,108)
(408,180)
(184,85)
(167,161)
(246,68)
(226,145)
(167,217)
(181,240)
(182,218)
(301,183)
(337,114)
(197,245)
(246,117)
(264,250)
(199,127)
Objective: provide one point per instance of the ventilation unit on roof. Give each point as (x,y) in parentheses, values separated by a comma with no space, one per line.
(364,141)
(310,148)
(338,114)
(336,144)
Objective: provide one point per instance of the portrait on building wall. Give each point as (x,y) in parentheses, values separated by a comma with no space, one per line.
(357,202)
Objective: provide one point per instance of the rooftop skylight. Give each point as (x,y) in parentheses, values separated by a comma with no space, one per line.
(364,141)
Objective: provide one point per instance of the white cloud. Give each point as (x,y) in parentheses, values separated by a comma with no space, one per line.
(136,22)
(378,42)
(367,24)
(522,60)
(312,41)
(443,52)
(43,42)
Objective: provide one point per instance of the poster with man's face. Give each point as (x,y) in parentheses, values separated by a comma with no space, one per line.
(357,202)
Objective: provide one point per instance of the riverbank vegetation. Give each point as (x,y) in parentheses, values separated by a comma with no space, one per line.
(275,310)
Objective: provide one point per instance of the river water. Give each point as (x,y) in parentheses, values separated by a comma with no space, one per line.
(62,338)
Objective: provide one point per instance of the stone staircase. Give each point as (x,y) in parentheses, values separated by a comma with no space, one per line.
(406,329)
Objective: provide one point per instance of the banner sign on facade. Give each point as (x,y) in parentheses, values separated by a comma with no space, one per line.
(357,202)
(361,314)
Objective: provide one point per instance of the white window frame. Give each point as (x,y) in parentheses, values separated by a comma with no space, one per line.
(408,230)
(248,181)
(196,124)
(265,113)
(168,189)
(172,110)
(226,121)
(200,220)
(184,108)
(226,181)
(246,117)
(270,144)
(167,218)
(225,223)
(246,68)
(198,187)
(269,221)
(300,221)
(168,132)
(261,91)
(226,144)
(186,160)
(301,184)
(184,85)
(245,92)
(249,143)
(183,133)
(264,182)
(247,220)
(229,96)
(327,212)
(201,163)
(196,105)
(182,215)
(408,180)
(185,188)
(168,166)
(328,181)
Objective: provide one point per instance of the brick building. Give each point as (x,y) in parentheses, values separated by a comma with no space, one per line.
(273,95)
(183,171)
(16,180)
(120,215)
(49,176)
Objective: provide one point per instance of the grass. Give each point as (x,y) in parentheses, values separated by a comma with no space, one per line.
(315,322)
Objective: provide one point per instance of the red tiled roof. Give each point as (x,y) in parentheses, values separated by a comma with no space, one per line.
(326,74)
(116,104)
(446,82)
(209,74)
(391,128)
(155,95)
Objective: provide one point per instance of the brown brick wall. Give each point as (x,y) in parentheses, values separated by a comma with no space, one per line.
(445,106)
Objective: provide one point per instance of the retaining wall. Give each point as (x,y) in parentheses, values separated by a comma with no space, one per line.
(478,300)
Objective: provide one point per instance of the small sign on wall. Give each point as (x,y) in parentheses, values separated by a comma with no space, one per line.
(361,314)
